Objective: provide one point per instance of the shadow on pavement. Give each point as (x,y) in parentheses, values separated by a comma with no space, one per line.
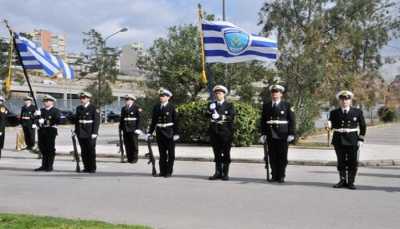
(382,175)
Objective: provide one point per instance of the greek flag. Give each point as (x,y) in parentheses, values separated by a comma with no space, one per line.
(34,57)
(225,42)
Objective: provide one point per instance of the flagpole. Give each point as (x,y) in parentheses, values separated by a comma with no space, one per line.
(203,75)
(21,62)
(7,82)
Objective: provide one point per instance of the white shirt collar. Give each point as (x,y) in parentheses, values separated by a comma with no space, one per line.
(48,108)
(345,109)
(221,102)
(164,104)
(276,102)
(86,105)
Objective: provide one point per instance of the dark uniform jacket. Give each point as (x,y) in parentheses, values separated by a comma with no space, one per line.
(164,121)
(278,123)
(223,126)
(3,118)
(51,119)
(345,126)
(27,116)
(87,121)
(130,118)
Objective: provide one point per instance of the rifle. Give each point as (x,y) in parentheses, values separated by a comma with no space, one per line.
(76,155)
(266,159)
(121,145)
(150,155)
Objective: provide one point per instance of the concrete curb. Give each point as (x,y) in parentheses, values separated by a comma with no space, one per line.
(365,163)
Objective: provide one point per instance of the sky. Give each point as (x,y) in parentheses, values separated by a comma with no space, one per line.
(146,20)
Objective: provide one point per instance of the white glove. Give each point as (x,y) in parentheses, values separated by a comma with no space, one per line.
(290,138)
(38,113)
(34,126)
(215,116)
(1,133)
(138,132)
(328,124)
(176,137)
(360,143)
(94,136)
(213,106)
(41,121)
(148,137)
(263,139)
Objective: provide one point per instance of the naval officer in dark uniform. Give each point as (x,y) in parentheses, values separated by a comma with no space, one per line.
(28,122)
(129,124)
(349,128)
(278,128)
(47,119)
(3,122)
(87,123)
(221,114)
(165,122)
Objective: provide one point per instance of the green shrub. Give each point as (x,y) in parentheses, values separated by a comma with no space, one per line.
(387,114)
(194,123)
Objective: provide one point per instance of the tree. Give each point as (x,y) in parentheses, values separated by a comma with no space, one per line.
(4,49)
(326,46)
(102,61)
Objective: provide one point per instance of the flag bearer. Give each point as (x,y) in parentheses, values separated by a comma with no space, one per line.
(221,114)
(47,118)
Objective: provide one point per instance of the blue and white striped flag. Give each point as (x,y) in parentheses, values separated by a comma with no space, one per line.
(225,42)
(34,57)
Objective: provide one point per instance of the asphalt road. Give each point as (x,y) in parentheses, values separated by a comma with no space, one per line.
(125,193)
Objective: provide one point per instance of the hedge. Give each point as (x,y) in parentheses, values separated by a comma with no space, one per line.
(194,123)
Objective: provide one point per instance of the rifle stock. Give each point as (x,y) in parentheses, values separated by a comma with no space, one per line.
(76,155)
(266,158)
(121,145)
(151,157)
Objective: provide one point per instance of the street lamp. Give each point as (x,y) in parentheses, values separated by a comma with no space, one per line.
(102,67)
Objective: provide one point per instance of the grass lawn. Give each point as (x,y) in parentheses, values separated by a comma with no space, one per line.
(18,221)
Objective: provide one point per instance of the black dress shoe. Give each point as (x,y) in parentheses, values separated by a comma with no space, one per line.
(351,186)
(167,175)
(49,170)
(341,184)
(281,180)
(225,178)
(39,169)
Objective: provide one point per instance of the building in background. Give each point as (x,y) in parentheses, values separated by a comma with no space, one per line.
(54,43)
(129,58)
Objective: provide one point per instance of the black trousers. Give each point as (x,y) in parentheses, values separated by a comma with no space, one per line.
(29,135)
(221,146)
(278,151)
(131,145)
(166,148)
(347,157)
(2,141)
(47,146)
(88,153)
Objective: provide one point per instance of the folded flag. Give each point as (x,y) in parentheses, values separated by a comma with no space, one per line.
(34,57)
(225,42)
